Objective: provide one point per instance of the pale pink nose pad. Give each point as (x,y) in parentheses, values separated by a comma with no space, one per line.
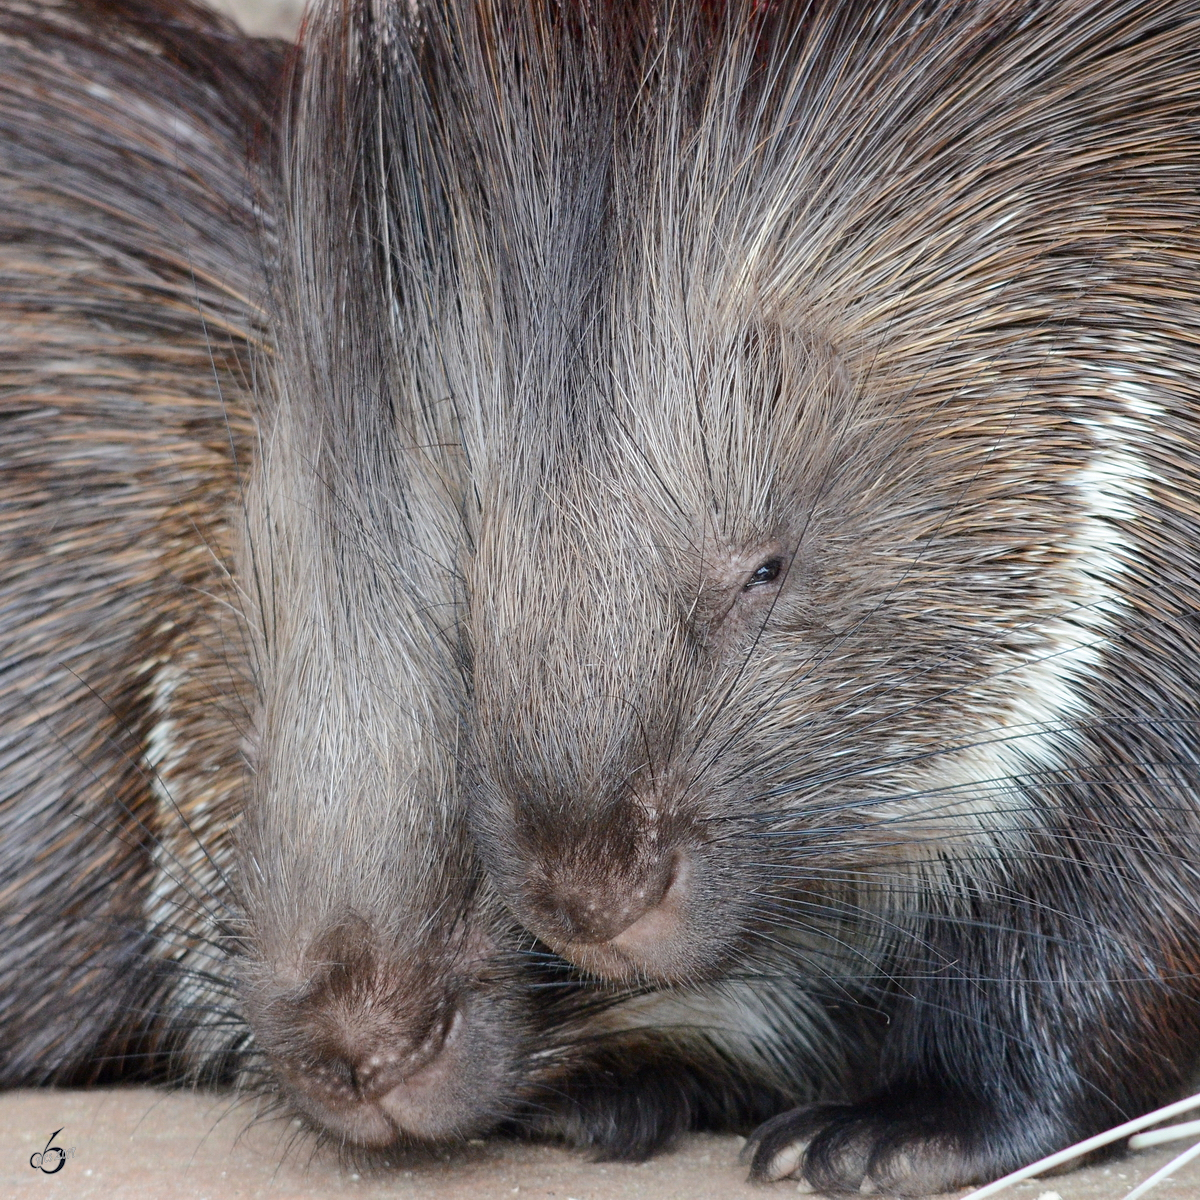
(661,922)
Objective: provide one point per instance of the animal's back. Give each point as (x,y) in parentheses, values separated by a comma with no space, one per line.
(130,266)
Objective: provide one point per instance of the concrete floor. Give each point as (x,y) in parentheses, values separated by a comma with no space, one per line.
(140,1144)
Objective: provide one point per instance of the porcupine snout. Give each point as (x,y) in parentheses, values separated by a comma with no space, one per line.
(601,842)
(614,890)
(629,909)
(369,1044)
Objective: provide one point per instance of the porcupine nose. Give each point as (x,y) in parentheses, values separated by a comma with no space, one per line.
(373,1086)
(371,1071)
(584,915)
(631,916)
(371,1039)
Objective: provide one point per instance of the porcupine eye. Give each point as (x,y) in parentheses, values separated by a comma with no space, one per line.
(767,573)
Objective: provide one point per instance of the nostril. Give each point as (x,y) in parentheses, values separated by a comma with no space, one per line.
(416,1103)
(603,912)
(349,1072)
(374,1074)
(660,922)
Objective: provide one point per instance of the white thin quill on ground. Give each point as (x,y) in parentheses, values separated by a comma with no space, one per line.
(1094,1143)
(1172,1133)
(1171,1167)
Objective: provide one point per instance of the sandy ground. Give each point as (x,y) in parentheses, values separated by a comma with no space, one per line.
(139,1144)
(264,18)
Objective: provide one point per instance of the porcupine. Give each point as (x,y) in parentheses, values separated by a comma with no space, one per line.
(232,523)
(834,600)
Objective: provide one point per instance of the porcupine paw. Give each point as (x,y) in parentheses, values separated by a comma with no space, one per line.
(883,1146)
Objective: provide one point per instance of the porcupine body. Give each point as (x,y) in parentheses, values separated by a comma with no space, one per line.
(230,542)
(130,280)
(835,595)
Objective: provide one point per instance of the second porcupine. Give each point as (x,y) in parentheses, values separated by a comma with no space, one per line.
(835,595)
(320,934)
